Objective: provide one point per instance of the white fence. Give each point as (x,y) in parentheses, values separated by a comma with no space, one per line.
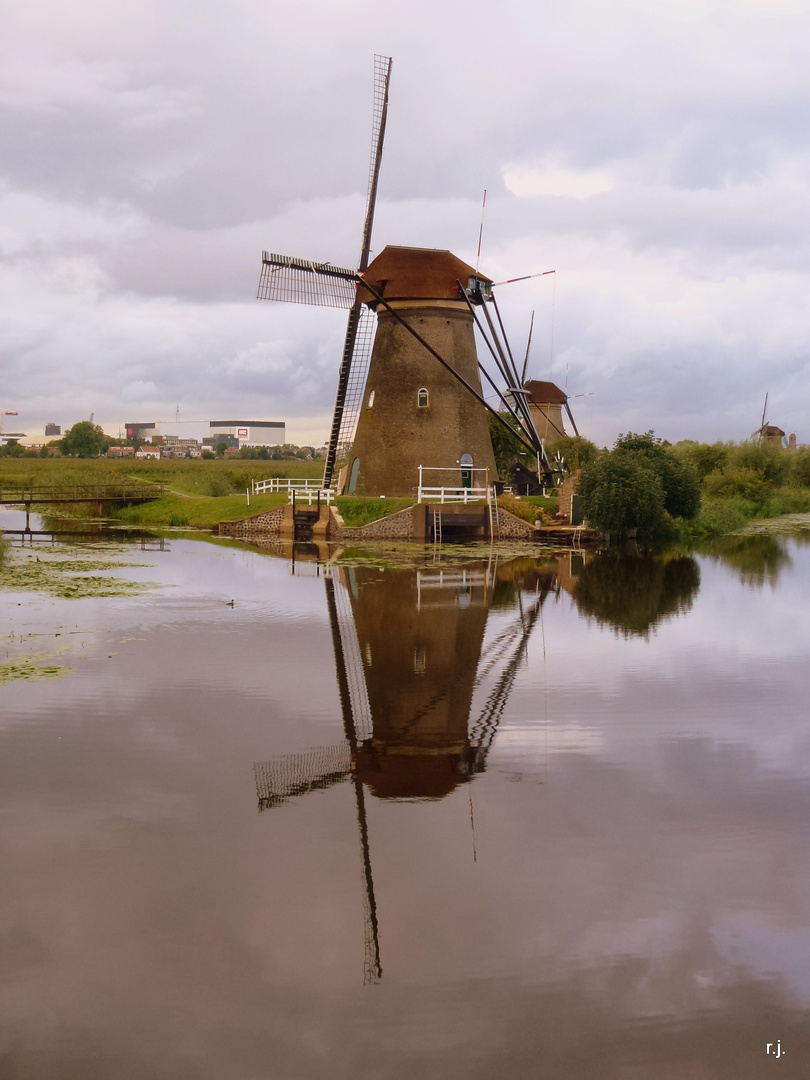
(457,492)
(452,495)
(311,495)
(277,483)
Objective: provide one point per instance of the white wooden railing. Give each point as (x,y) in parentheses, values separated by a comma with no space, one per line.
(456,492)
(452,495)
(277,483)
(311,495)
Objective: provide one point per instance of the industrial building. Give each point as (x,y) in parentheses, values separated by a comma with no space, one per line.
(236,433)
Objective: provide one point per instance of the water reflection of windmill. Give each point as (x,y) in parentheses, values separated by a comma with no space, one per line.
(406,696)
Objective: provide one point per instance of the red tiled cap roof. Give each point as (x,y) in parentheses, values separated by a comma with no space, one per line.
(544,393)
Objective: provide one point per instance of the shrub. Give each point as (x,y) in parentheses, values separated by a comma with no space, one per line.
(620,492)
(800,467)
(576,450)
(718,516)
(526,511)
(704,458)
(770,461)
(737,480)
(637,485)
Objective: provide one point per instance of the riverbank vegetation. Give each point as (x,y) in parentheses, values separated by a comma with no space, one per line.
(688,492)
(691,491)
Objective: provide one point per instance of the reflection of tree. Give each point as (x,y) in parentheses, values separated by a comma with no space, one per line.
(758,559)
(634,594)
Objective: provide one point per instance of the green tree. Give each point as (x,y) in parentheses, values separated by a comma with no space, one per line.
(679,478)
(620,492)
(506,446)
(576,451)
(12,449)
(221,448)
(84,440)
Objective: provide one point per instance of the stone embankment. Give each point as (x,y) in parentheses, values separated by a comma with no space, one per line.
(258,527)
(400,526)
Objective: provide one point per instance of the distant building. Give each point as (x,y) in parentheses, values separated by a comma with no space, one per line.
(250,432)
(148,452)
(120,451)
(142,432)
(53,430)
(195,432)
(213,441)
(11,436)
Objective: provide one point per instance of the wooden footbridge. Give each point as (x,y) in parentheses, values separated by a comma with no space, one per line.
(81,493)
(62,495)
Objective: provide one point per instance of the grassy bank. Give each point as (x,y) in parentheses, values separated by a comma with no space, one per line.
(186,475)
(183,511)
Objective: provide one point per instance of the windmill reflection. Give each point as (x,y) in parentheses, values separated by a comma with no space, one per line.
(409,656)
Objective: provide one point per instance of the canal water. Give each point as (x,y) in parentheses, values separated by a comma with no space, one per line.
(497,815)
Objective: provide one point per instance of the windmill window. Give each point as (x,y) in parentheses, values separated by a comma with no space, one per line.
(422,398)
(419,660)
(370,398)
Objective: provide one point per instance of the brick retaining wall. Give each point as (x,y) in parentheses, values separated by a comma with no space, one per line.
(260,525)
(397,526)
(513,527)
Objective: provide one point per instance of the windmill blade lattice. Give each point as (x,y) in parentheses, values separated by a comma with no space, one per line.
(345,422)
(297,774)
(301,281)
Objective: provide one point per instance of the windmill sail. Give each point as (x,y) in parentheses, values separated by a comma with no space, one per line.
(301,281)
(298,774)
(360,326)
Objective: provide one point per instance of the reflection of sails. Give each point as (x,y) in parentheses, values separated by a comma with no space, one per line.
(409,656)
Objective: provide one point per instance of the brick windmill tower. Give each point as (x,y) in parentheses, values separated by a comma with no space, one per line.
(417,398)
(414,411)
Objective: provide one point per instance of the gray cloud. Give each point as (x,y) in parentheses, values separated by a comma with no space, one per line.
(151,154)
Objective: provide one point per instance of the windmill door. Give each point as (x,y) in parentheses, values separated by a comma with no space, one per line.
(466,470)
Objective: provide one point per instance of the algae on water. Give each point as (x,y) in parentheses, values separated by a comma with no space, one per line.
(71,578)
(26,669)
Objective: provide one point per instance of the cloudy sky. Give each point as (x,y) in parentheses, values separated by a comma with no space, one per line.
(653,152)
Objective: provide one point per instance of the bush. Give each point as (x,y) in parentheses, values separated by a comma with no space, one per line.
(737,480)
(770,461)
(577,451)
(526,511)
(704,458)
(622,491)
(800,467)
(637,486)
(718,516)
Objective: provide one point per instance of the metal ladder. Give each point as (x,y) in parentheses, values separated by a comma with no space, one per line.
(494,520)
(437,526)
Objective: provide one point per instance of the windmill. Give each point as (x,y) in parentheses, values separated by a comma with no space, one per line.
(768,433)
(407,699)
(416,398)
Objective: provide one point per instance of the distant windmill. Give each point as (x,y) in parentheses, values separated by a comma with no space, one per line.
(768,432)
(416,398)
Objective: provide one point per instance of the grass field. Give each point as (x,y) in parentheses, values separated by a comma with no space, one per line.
(188,476)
